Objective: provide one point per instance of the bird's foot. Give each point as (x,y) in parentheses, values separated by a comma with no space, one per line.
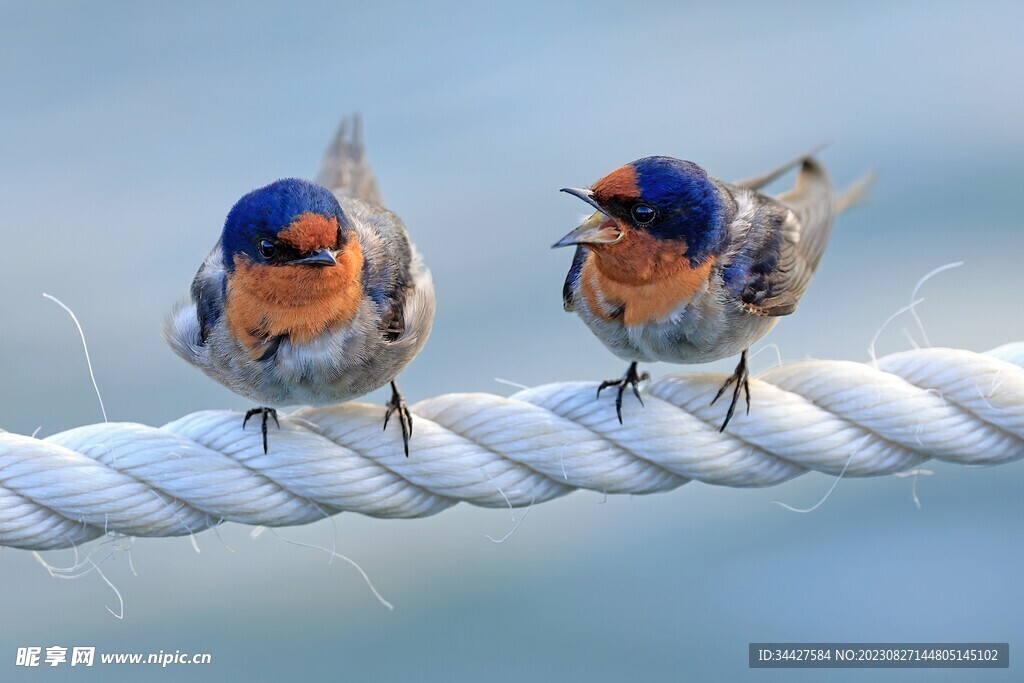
(397,405)
(741,378)
(630,379)
(265,412)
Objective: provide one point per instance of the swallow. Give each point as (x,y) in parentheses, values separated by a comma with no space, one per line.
(311,296)
(677,266)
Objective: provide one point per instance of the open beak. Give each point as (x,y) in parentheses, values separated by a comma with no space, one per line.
(600,228)
(317,257)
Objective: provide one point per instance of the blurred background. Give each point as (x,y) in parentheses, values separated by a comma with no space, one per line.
(129,129)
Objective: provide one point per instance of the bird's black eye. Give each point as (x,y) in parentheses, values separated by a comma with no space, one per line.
(267,249)
(643,214)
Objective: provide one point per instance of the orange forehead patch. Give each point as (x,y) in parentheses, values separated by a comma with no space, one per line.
(622,182)
(311,231)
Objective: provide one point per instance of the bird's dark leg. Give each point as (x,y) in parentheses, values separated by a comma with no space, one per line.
(741,377)
(630,379)
(397,405)
(265,412)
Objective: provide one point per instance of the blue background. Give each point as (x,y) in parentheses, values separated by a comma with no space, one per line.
(129,129)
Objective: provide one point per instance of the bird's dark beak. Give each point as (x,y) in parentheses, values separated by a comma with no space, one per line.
(317,257)
(585,195)
(600,228)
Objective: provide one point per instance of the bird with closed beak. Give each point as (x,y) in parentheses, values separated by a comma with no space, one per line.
(677,266)
(310,296)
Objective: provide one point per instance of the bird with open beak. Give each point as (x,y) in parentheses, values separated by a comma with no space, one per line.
(677,266)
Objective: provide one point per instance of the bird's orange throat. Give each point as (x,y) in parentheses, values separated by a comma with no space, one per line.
(265,301)
(640,278)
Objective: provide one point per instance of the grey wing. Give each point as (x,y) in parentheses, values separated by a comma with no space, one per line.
(208,289)
(344,169)
(759,181)
(189,324)
(387,258)
(773,267)
(572,279)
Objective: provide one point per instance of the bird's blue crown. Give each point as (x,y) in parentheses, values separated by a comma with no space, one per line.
(687,201)
(264,212)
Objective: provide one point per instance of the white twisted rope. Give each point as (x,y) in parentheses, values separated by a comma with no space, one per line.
(539,444)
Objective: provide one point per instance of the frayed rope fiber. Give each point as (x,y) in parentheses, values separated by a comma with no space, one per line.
(204,469)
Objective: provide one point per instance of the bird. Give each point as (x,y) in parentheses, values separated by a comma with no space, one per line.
(312,295)
(677,266)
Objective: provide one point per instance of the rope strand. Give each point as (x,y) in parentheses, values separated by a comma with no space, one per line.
(541,443)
